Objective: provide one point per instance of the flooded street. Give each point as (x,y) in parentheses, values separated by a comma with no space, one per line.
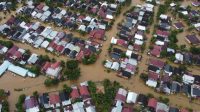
(95,72)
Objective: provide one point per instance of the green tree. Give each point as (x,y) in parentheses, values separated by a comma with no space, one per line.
(67,89)
(5,106)
(73,74)
(20,102)
(72,64)
(2,93)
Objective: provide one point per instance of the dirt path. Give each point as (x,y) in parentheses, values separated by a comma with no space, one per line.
(94,72)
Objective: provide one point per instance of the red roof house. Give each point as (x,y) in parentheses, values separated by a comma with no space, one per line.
(84,91)
(127,109)
(184,110)
(152,103)
(162,33)
(97,34)
(54,100)
(153,76)
(157,63)
(156,51)
(75,94)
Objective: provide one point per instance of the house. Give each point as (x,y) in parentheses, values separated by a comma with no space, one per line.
(175,87)
(196,79)
(195,91)
(151,83)
(156,51)
(115,66)
(157,63)
(54,100)
(90,109)
(161,33)
(132,97)
(153,68)
(153,76)
(173,109)
(196,3)
(97,34)
(127,109)
(161,107)
(179,57)
(192,39)
(108,64)
(44,100)
(64,97)
(121,95)
(183,110)
(142,99)
(78,107)
(31,104)
(52,69)
(84,92)
(74,94)
(18,70)
(152,104)
(168,69)
(178,25)
(4,67)
(33,58)
(187,79)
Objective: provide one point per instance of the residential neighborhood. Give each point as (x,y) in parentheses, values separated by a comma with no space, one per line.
(99,55)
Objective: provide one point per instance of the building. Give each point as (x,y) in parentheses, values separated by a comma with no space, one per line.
(31,104)
(52,69)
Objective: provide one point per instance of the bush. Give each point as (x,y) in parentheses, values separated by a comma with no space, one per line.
(89,60)
(7,44)
(67,88)
(195,50)
(20,102)
(51,82)
(5,106)
(144,77)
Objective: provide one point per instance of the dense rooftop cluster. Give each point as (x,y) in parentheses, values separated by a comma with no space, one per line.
(131,37)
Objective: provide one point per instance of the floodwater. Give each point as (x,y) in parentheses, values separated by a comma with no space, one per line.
(94,72)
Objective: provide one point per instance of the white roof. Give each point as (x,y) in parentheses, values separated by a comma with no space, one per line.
(162,106)
(38,42)
(82,27)
(4,67)
(34,109)
(134,21)
(23,25)
(88,18)
(53,72)
(3,50)
(30,74)
(18,70)
(163,16)
(38,15)
(33,58)
(115,66)
(44,44)
(33,14)
(128,53)
(179,56)
(26,36)
(151,83)
(108,64)
(141,27)
(139,37)
(197,25)
(160,43)
(47,13)
(184,12)
(46,32)
(132,61)
(117,109)
(122,91)
(45,8)
(113,6)
(63,12)
(103,27)
(90,109)
(172,4)
(113,40)
(68,102)
(109,16)
(188,79)
(132,97)
(139,42)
